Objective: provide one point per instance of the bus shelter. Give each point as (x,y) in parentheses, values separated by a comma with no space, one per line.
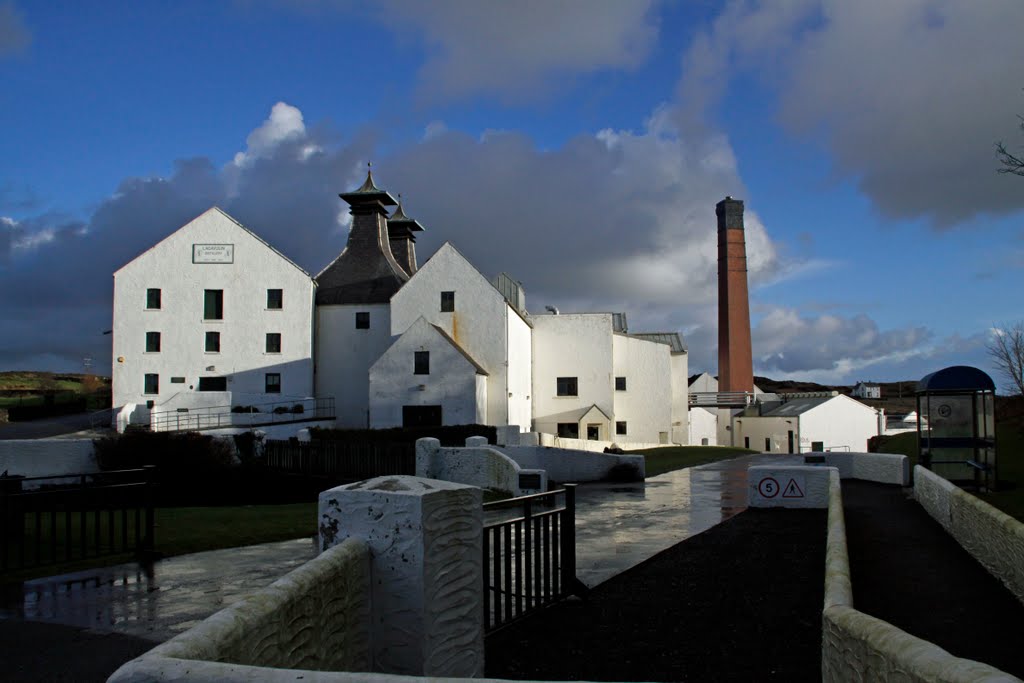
(956,426)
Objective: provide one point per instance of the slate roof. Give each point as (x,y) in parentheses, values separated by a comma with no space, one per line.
(673,339)
(796,406)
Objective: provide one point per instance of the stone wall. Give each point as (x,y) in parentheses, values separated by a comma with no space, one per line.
(476,465)
(857,646)
(569,465)
(884,468)
(992,537)
(314,618)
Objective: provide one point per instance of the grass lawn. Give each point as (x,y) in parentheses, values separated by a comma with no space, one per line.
(1009,463)
(180,531)
(668,458)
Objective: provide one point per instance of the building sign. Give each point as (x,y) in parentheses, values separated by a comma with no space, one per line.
(213,253)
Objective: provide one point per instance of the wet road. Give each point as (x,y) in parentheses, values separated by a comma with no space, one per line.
(617,527)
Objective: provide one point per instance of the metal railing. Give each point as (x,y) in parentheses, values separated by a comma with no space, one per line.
(257,415)
(55,519)
(529,560)
(340,460)
(720,399)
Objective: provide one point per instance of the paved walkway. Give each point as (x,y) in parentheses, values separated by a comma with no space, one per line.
(617,527)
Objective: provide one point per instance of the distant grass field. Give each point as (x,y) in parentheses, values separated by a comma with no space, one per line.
(25,389)
(1009,463)
(667,458)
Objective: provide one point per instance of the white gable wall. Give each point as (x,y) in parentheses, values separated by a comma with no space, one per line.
(478,324)
(242,359)
(840,421)
(572,345)
(644,405)
(453,382)
(520,371)
(344,355)
(680,398)
(703,425)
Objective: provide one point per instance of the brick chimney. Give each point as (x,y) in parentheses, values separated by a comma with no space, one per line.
(735,359)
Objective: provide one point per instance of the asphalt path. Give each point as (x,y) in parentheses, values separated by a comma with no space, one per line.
(54,426)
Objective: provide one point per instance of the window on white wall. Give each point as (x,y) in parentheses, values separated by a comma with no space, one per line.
(273,342)
(620,384)
(213,304)
(362,320)
(569,430)
(421,363)
(152,342)
(275,299)
(567,386)
(447,302)
(213,342)
(272,383)
(153,298)
(151,384)
(620,427)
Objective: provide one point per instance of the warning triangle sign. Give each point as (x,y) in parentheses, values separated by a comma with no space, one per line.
(792,490)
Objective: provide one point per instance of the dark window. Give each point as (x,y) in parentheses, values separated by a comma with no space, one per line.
(273,342)
(362,320)
(620,427)
(275,299)
(746,442)
(767,444)
(447,302)
(152,342)
(569,430)
(422,363)
(421,416)
(593,432)
(152,384)
(177,380)
(213,384)
(152,298)
(213,342)
(620,385)
(213,304)
(273,383)
(567,386)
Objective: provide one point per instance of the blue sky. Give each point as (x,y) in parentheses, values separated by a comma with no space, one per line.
(578,145)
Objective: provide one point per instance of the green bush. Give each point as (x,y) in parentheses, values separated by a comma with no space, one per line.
(171,452)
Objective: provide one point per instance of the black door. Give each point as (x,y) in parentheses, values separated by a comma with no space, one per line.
(421,416)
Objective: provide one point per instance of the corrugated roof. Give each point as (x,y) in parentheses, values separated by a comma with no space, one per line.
(673,339)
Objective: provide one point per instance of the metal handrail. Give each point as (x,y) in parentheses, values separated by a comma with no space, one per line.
(213,417)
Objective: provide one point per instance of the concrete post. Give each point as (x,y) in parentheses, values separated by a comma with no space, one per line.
(426,570)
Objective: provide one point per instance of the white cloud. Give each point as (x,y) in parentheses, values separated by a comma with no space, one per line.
(908,96)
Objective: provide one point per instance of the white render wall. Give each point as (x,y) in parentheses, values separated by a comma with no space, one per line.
(242,359)
(703,425)
(645,405)
(680,398)
(572,345)
(453,382)
(478,323)
(520,371)
(841,421)
(774,428)
(344,356)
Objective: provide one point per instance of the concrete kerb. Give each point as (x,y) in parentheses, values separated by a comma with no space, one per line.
(857,646)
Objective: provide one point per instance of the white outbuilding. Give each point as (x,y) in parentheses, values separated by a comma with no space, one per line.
(799,423)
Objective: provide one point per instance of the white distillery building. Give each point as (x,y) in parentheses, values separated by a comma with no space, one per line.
(210,316)
(391,342)
(799,423)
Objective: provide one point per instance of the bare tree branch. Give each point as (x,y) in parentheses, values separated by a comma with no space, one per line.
(1011,162)
(1006,348)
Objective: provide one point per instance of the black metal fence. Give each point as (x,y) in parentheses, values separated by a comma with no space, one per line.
(341,461)
(57,519)
(529,559)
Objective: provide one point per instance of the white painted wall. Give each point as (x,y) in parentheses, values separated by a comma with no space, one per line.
(645,406)
(480,465)
(520,370)
(680,398)
(452,383)
(703,424)
(344,355)
(242,359)
(840,421)
(570,466)
(775,429)
(571,345)
(478,324)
